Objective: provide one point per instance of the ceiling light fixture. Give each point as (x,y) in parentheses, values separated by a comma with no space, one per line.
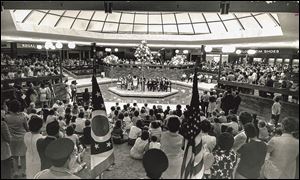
(176,51)
(71,45)
(58,45)
(251,51)
(208,48)
(224,7)
(39,46)
(108,7)
(228,49)
(238,51)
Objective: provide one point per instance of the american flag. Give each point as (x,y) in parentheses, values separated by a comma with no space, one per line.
(192,165)
(102,156)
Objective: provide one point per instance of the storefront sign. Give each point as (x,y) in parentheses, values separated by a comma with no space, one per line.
(5,45)
(23,45)
(268,51)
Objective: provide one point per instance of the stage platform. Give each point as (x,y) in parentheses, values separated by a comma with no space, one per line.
(139,94)
(87,82)
(201,85)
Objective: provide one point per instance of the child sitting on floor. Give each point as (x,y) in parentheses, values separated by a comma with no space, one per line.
(263,133)
(154,144)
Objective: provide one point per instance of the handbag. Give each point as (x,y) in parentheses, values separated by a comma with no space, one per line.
(270,171)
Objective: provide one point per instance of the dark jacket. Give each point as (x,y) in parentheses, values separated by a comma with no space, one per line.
(41,145)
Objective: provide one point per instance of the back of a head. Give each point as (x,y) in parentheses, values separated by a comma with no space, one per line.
(173,124)
(139,124)
(225,141)
(118,124)
(52,128)
(155,163)
(14,106)
(290,125)
(153,138)
(35,123)
(87,122)
(154,125)
(250,130)
(145,135)
(205,126)
(70,130)
(245,118)
(136,113)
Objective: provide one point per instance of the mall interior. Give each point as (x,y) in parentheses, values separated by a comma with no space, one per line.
(149,89)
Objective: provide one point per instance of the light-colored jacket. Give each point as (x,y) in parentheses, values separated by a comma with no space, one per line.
(283,153)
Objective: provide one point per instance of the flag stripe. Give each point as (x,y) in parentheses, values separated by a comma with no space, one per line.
(198,168)
(184,161)
(198,148)
(101,162)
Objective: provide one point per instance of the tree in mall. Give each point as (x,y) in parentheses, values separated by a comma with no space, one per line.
(143,55)
(143,52)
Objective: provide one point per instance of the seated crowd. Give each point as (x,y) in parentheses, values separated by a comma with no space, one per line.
(244,142)
(234,146)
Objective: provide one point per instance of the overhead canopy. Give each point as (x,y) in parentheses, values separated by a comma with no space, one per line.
(160,28)
(150,22)
(159,6)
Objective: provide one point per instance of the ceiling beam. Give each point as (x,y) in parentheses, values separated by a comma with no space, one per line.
(175,6)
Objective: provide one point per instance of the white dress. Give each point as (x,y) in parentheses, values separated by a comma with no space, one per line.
(43,94)
(33,162)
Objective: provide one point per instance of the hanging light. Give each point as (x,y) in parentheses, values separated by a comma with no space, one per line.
(71,45)
(185,51)
(228,49)
(48,44)
(251,51)
(58,45)
(52,47)
(238,51)
(39,46)
(47,47)
(176,51)
(116,49)
(107,50)
(208,48)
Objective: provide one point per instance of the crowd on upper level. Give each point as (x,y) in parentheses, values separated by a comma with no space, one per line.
(24,67)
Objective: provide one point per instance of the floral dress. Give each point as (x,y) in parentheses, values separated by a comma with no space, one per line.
(224,164)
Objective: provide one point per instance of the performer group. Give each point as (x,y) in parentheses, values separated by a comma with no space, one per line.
(139,83)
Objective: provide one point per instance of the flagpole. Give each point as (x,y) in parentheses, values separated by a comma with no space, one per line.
(94,59)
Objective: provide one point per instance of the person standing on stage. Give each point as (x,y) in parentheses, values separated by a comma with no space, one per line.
(74,90)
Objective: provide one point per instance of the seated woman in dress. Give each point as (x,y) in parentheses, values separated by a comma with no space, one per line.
(140,146)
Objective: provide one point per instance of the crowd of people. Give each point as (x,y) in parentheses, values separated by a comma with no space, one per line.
(25,67)
(251,147)
(139,83)
(27,135)
(264,75)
